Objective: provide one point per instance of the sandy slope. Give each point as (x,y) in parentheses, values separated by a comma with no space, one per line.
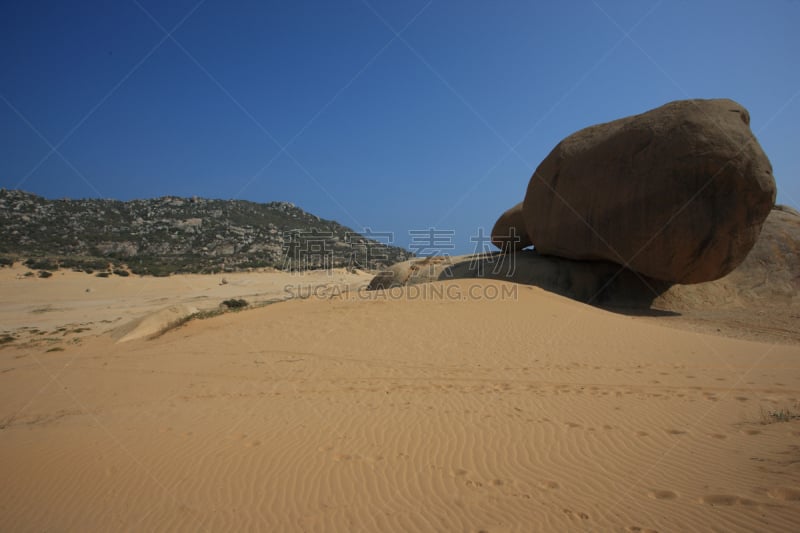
(74,300)
(448,409)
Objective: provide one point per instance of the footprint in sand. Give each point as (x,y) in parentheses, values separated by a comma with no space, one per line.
(676,432)
(576,514)
(658,494)
(642,434)
(638,529)
(718,436)
(752,432)
(252,444)
(725,499)
(550,485)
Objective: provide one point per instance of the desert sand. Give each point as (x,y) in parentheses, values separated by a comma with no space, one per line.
(463,405)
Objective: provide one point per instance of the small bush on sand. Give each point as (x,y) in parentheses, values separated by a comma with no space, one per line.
(784,414)
(45,274)
(235,303)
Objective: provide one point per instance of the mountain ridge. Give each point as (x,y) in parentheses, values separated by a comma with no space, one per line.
(171,234)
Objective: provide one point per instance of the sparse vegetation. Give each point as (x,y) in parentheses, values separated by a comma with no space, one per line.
(55,349)
(41,264)
(235,303)
(85,264)
(121,272)
(162,236)
(225,307)
(6,338)
(45,274)
(784,414)
(200,315)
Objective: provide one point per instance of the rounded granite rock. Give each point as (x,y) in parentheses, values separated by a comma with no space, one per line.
(509,231)
(678,193)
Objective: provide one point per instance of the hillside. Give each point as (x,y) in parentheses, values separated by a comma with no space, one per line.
(170,234)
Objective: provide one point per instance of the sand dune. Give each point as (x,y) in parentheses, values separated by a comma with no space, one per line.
(466,405)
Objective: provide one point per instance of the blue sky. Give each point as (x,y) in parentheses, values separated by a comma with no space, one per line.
(385,114)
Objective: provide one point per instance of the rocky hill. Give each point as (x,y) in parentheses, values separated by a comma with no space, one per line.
(170,234)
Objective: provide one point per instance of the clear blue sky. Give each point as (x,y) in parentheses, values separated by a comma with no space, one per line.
(395,115)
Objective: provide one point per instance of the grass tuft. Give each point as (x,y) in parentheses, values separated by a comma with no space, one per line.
(784,414)
(235,303)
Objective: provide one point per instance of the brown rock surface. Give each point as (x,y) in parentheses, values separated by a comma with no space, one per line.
(509,227)
(769,276)
(678,193)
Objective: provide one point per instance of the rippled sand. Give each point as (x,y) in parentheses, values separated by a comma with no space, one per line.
(477,406)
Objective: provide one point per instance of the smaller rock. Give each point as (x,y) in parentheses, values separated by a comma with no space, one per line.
(509,233)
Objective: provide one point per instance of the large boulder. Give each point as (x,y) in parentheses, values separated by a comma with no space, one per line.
(678,193)
(509,233)
(768,277)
